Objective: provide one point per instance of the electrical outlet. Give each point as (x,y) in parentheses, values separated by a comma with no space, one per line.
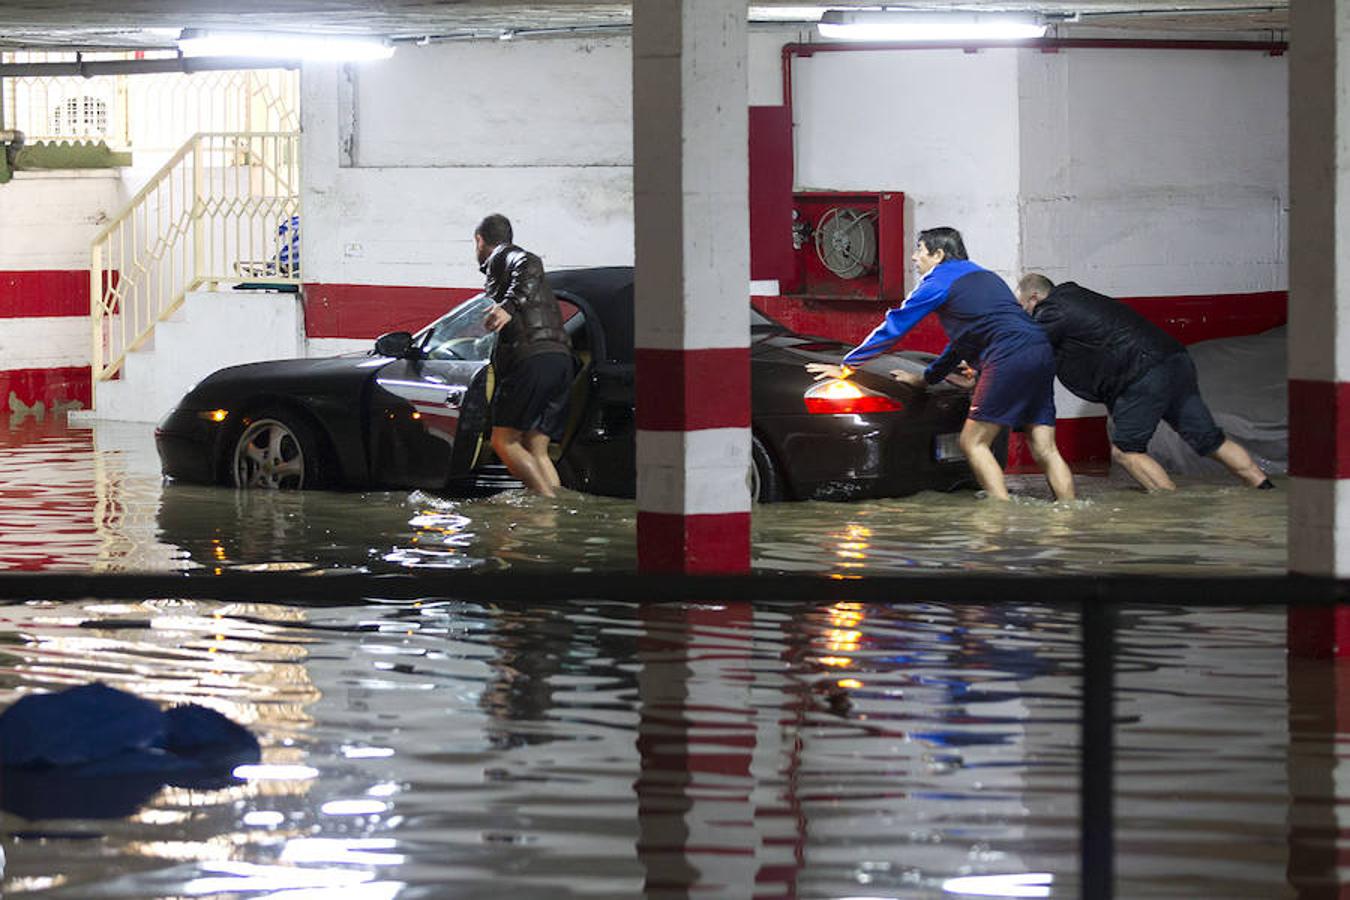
(353,250)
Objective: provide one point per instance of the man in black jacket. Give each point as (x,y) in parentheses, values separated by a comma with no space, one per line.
(532,360)
(1107,353)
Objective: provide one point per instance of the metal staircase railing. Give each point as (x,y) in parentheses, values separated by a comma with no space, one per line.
(224,208)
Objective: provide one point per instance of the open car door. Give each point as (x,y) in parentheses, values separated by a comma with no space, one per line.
(428,414)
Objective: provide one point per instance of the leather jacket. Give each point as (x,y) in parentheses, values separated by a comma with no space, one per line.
(1101,345)
(515,280)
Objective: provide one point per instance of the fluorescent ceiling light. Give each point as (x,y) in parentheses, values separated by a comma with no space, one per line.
(787,13)
(905,25)
(280,45)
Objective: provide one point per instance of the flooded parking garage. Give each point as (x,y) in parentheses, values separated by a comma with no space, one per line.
(94,499)
(432,748)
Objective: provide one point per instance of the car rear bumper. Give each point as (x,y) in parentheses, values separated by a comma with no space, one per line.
(855,457)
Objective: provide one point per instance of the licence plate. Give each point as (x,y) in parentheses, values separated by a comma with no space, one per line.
(947,447)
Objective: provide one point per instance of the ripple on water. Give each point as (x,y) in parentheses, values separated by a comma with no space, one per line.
(416,748)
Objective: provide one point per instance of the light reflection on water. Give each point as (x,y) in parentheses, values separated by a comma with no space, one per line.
(82,500)
(439,748)
(433,749)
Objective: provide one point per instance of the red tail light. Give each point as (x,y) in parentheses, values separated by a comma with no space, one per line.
(836,396)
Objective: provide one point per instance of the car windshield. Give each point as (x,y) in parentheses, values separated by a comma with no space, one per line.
(460,334)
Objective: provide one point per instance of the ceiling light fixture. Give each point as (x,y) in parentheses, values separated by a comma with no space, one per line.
(281,45)
(787,13)
(907,25)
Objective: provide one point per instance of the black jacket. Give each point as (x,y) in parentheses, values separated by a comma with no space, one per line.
(1101,345)
(515,280)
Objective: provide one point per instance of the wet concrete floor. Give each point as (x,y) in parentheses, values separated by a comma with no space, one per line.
(94,500)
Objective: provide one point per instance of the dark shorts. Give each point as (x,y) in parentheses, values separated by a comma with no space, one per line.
(1169,393)
(533,395)
(1016,386)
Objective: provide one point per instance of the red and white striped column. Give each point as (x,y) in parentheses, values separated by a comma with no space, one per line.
(691,210)
(1319,288)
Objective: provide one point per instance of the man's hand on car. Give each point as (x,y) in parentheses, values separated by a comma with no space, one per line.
(963,377)
(828,370)
(496,319)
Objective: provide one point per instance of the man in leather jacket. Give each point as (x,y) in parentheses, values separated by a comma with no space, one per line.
(532,360)
(1105,352)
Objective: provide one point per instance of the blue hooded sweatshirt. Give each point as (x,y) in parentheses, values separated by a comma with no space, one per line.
(976,308)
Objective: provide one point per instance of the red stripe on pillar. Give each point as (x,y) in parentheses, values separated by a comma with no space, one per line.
(1319,429)
(44,292)
(717,543)
(690,390)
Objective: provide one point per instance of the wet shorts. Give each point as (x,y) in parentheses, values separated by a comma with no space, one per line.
(1016,386)
(533,395)
(1168,392)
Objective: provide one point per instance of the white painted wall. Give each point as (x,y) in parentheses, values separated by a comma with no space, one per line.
(1155,172)
(47,219)
(940,125)
(403,158)
(1134,171)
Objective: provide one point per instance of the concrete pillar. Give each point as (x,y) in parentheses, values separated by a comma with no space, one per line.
(1319,287)
(691,210)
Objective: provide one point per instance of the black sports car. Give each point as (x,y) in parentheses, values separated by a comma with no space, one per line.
(416,410)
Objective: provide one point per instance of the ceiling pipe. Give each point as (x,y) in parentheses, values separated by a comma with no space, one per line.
(172,64)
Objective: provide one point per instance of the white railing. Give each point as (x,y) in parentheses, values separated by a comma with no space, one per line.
(224,208)
(149,113)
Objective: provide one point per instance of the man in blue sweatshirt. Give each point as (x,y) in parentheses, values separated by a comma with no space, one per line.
(991,334)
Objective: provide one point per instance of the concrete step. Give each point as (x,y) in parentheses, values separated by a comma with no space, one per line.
(212,330)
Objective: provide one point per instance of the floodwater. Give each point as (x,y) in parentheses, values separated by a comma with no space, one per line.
(76,499)
(446,749)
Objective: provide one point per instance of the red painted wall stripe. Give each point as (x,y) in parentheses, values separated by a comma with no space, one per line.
(1082,442)
(1190,319)
(713,389)
(43,293)
(50,387)
(370,310)
(1319,429)
(701,543)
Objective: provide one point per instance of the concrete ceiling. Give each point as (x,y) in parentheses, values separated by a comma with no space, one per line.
(68,24)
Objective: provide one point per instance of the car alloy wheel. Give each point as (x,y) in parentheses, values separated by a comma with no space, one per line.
(270,455)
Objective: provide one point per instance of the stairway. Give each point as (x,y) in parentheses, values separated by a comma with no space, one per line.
(210,330)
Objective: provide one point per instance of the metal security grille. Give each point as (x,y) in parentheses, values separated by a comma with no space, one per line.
(148,112)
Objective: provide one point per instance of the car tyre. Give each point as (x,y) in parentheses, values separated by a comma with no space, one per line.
(277,450)
(766,484)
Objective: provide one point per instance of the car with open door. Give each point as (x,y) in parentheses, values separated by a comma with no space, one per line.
(416,412)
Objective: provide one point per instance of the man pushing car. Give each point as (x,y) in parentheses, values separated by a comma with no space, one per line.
(1105,352)
(986,329)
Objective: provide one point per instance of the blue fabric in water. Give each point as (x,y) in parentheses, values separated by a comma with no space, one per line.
(95,751)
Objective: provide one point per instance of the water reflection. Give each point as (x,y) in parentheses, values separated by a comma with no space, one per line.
(94,501)
(440,748)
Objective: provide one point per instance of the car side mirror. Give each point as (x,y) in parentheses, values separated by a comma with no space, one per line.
(397,344)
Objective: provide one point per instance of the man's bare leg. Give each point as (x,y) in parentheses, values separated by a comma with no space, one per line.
(1144,469)
(508,443)
(1238,461)
(1045,451)
(537,443)
(976,440)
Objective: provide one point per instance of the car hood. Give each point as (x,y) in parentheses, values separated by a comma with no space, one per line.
(323,375)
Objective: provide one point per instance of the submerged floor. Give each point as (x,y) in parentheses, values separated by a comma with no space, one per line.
(440,748)
(93,500)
